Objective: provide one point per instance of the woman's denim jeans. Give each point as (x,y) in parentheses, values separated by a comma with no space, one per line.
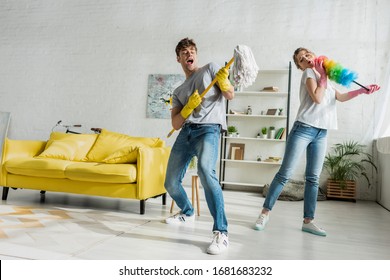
(302,137)
(200,140)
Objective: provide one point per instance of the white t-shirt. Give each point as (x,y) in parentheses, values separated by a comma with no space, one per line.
(212,110)
(323,115)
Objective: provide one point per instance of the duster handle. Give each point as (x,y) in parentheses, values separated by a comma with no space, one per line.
(361,85)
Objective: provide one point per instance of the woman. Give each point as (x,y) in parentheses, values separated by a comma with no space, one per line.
(316,114)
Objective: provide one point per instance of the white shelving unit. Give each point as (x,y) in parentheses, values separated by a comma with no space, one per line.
(248,171)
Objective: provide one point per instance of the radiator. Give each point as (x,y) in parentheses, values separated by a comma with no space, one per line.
(383,154)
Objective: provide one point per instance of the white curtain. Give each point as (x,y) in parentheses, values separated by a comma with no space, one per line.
(382,107)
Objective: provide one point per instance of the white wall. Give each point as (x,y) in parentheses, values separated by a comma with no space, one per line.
(88,62)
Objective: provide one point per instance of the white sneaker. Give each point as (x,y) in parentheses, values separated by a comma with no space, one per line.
(180,219)
(261,221)
(219,244)
(313,228)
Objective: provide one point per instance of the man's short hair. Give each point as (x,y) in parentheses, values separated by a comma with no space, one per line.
(185,43)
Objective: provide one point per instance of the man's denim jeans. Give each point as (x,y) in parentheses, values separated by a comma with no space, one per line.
(199,140)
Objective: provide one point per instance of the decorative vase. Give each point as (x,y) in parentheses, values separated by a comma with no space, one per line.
(272,134)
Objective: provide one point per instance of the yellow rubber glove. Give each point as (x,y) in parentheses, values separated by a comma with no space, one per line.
(222,79)
(193,102)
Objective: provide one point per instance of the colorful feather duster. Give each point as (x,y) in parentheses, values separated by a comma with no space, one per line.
(338,73)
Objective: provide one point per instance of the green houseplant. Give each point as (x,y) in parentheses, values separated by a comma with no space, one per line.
(264,132)
(232,130)
(345,163)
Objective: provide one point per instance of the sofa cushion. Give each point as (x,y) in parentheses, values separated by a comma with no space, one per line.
(37,167)
(126,154)
(60,149)
(102,172)
(109,142)
(84,143)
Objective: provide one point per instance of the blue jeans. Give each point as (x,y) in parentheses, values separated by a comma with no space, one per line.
(200,140)
(302,137)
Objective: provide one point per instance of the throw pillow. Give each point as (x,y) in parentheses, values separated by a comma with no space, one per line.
(110,142)
(124,155)
(60,149)
(84,142)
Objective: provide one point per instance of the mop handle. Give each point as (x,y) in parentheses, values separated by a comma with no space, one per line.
(205,91)
(215,79)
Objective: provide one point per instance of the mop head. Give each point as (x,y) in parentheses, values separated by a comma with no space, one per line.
(245,67)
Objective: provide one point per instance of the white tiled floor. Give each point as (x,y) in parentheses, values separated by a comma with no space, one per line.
(72,227)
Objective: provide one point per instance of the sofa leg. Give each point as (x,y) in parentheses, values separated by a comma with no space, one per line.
(142,206)
(43,197)
(5,193)
(164,199)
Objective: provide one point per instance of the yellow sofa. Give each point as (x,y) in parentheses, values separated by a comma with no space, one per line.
(109,164)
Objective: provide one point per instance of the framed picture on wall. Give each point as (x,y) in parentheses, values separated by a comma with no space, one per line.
(236,151)
(160,90)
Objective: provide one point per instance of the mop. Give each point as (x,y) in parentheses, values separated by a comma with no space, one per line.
(244,70)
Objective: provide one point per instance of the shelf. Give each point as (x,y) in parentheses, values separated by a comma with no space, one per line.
(254,139)
(262,93)
(256,116)
(254,162)
(245,170)
(274,71)
(242,184)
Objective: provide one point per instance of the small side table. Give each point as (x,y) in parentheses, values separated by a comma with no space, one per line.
(195,193)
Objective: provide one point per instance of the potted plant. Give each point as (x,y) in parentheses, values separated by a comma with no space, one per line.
(232,131)
(345,163)
(264,132)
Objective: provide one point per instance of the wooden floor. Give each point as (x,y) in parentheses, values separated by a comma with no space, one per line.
(70,227)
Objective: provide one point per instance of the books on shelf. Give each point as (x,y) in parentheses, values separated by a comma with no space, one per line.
(236,112)
(280,133)
(273,159)
(272,88)
(283,136)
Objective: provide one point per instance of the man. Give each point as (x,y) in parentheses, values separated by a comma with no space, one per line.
(201,121)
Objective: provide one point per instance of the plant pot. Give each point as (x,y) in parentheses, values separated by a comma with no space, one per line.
(342,190)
